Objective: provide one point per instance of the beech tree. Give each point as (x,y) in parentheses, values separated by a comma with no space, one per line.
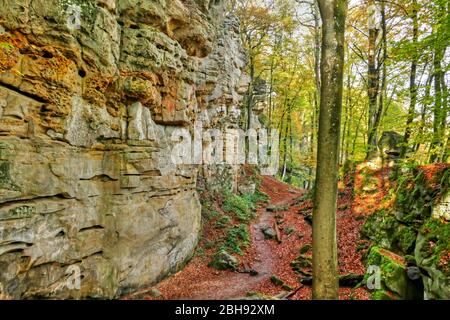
(325,273)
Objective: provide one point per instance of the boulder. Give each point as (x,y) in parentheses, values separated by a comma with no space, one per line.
(432,254)
(392,272)
(389,145)
(269,233)
(223,260)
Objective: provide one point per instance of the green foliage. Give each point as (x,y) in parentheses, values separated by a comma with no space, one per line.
(393,273)
(5,45)
(278,282)
(382,295)
(210,244)
(437,235)
(209,213)
(397,228)
(222,260)
(223,222)
(405,239)
(241,206)
(200,252)
(380,227)
(237,239)
(255,198)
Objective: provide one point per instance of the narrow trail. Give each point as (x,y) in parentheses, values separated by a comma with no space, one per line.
(269,258)
(236,285)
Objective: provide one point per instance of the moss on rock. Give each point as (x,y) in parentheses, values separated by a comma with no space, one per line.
(392,270)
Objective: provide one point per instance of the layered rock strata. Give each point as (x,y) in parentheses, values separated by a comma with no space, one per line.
(91,92)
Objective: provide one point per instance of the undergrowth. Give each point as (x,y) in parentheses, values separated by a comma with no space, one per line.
(229,215)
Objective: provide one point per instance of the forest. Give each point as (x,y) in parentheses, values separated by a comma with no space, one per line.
(394,78)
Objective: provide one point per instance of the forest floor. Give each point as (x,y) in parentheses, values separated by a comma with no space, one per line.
(198,281)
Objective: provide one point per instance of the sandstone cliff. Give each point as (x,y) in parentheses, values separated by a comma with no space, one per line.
(86,119)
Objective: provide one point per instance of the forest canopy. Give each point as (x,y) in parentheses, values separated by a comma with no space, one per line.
(395,78)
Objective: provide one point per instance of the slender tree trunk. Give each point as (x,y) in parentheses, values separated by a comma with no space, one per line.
(317,49)
(445,111)
(425,105)
(382,63)
(250,93)
(315,112)
(412,83)
(291,141)
(325,271)
(312,140)
(358,126)
(350,113)
(285,148)
(272,69)
(346,117)
(372,79)
(437,122)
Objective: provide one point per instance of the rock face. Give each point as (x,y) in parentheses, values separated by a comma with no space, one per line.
(415,228)
(222,76)
(91,93)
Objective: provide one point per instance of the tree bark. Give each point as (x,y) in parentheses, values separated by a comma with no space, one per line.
(412,83)
(437,121)
(372,80)
(325,273)
(346,118)
(250,93)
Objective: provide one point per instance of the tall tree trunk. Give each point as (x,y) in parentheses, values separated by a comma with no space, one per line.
(412,83)
(382,63)
(317,49)
(358,126)
(350,115)
(312,140)
(445,112)
(272,69)
(291,142)
(372,79)
(325,272)
(346,118)
(423,113)
(285,147)
(250,93)
(437,122)
(315,112)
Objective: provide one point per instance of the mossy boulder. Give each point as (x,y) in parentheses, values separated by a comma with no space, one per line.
(302,265)
(405,239)
(223,261)
(381,228)
(392,270)
(278,282)
(414,227)
(432,254)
